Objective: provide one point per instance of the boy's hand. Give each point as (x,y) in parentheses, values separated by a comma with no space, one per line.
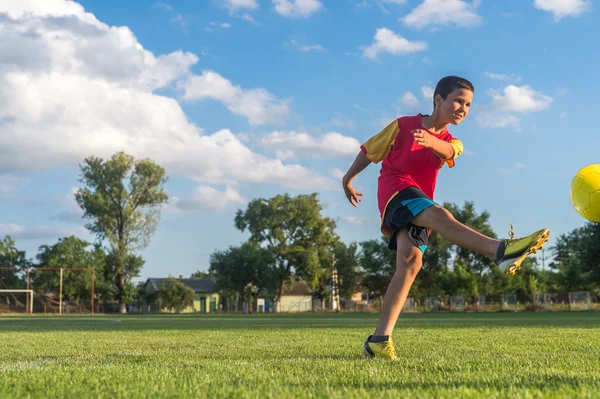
(423,138)
(352,194)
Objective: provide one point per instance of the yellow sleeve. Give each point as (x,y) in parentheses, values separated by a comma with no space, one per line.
(378,146)
(458,149)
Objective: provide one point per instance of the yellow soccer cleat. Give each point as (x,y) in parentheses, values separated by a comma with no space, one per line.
(384,349)
(515,250)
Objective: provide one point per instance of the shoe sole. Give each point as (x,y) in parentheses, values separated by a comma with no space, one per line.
(533,248)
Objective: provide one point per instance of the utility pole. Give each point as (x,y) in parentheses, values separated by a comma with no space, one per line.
(335,295)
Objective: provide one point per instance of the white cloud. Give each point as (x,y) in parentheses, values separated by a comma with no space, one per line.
(517,165)
(443,12)
(19,232)
(225,25)
(502,77)
(386,41)
(329,145)
(410,100)
(337,173)
(343,121)
(64,98)
(563,8)
(496,120)
(237,5)
(427,92)
(519,99)
(9,183)
(208,198)
(297,8)
(360,220)
(510,101)
(258,105)
(304,48)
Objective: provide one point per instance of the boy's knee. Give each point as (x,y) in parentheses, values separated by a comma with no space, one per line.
(432,215)
(410,265)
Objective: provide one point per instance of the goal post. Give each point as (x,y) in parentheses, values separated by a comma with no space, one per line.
(29,293)
(61,271)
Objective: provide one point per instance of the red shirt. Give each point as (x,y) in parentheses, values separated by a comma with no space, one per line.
(405,162)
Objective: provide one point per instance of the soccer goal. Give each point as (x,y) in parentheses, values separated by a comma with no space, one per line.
(457,303)
(579,300)
(64,290)
(12,301)
(542,302)
(431,304)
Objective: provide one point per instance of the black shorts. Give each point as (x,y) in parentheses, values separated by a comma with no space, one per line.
(400,212)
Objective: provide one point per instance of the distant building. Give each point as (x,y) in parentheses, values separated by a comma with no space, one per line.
(297,298)
(206,298)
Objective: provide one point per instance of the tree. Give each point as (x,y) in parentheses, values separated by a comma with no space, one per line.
(347,267)
(246,270)
(173,294)
(201,274)
(11,257)
(378,264)
(294,230)
(467,215)
(70,252)
(121,198)
(578,259)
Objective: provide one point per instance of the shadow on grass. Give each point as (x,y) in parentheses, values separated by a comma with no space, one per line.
(293,321)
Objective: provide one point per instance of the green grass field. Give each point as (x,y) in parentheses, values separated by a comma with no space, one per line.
(311,355)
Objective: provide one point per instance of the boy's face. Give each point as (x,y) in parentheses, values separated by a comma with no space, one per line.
(455,108)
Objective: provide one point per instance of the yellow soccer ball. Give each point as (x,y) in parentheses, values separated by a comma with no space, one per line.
(585,192)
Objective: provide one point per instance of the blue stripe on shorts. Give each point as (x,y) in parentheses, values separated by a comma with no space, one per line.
(417,205)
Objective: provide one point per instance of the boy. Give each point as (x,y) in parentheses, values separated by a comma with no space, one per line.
(413,149)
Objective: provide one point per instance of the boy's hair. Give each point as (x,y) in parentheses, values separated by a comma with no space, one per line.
(448,84)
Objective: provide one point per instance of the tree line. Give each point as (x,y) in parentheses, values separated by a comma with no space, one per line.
(289,239)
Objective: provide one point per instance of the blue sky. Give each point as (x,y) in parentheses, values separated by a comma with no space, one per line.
(241,99)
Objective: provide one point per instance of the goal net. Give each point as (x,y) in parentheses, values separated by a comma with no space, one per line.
(579,301)
(63,290)
(16,301)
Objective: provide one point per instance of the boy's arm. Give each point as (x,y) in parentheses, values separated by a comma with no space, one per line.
(373,150)
(359,164)
(444,150)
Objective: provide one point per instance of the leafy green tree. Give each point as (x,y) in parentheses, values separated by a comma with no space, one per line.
(173,294)
(347,267)
(70,252)
(378,265)
(201,274)
(11,257)
(121,198)
(577,259)
(294,230)
(479,222)
(247,270)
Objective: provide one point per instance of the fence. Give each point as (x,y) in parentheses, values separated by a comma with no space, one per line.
(540,302)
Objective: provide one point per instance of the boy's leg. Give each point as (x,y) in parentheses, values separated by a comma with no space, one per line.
(508,254)
(442,221)
(409,259)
